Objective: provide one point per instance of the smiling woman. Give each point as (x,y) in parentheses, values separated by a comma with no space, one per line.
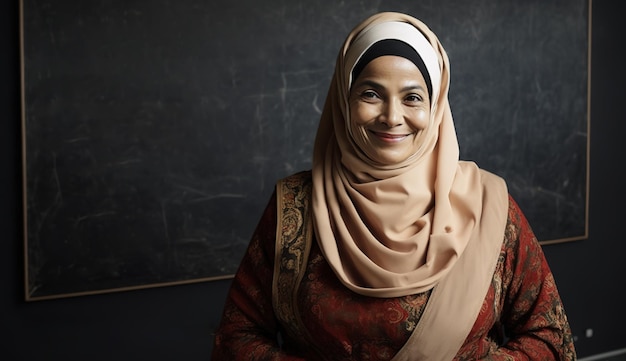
(391,247)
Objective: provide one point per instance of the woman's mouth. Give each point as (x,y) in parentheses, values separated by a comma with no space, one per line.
(388,137)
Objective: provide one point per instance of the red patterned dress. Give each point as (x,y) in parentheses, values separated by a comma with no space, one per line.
(522,316)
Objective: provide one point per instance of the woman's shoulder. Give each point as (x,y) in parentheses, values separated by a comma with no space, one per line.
(294,185)
(516,215)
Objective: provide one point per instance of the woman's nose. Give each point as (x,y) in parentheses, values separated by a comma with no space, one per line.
(392,114)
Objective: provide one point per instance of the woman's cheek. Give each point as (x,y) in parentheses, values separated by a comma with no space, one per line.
(362,114)
(421,119)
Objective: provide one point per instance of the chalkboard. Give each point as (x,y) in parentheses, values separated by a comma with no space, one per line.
(154,131)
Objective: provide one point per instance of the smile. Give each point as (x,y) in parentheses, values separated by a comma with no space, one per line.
(389,138)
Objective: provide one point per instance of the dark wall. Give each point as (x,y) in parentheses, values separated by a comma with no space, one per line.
(590,273)
(177,322)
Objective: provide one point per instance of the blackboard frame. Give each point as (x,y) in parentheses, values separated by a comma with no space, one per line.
(78,281)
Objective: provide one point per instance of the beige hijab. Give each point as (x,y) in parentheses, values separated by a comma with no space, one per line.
(398,229)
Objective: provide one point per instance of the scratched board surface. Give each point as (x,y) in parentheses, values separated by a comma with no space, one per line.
(155,131)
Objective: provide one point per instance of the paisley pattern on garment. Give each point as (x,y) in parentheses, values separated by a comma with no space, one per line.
(293,244)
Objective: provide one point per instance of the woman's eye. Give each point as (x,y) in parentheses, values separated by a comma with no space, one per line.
(413,98)
(369,94)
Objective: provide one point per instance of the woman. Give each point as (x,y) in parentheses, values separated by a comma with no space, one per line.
(391,248)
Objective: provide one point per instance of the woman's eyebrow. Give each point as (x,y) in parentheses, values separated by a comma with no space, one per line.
(412,87)
(370,83)
(376,85)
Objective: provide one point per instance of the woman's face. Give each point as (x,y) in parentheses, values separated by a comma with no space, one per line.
(389,107)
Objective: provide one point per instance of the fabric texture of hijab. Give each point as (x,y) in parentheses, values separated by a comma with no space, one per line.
(390,230)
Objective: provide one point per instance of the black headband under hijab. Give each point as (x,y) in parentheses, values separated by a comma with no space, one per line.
(393,47)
